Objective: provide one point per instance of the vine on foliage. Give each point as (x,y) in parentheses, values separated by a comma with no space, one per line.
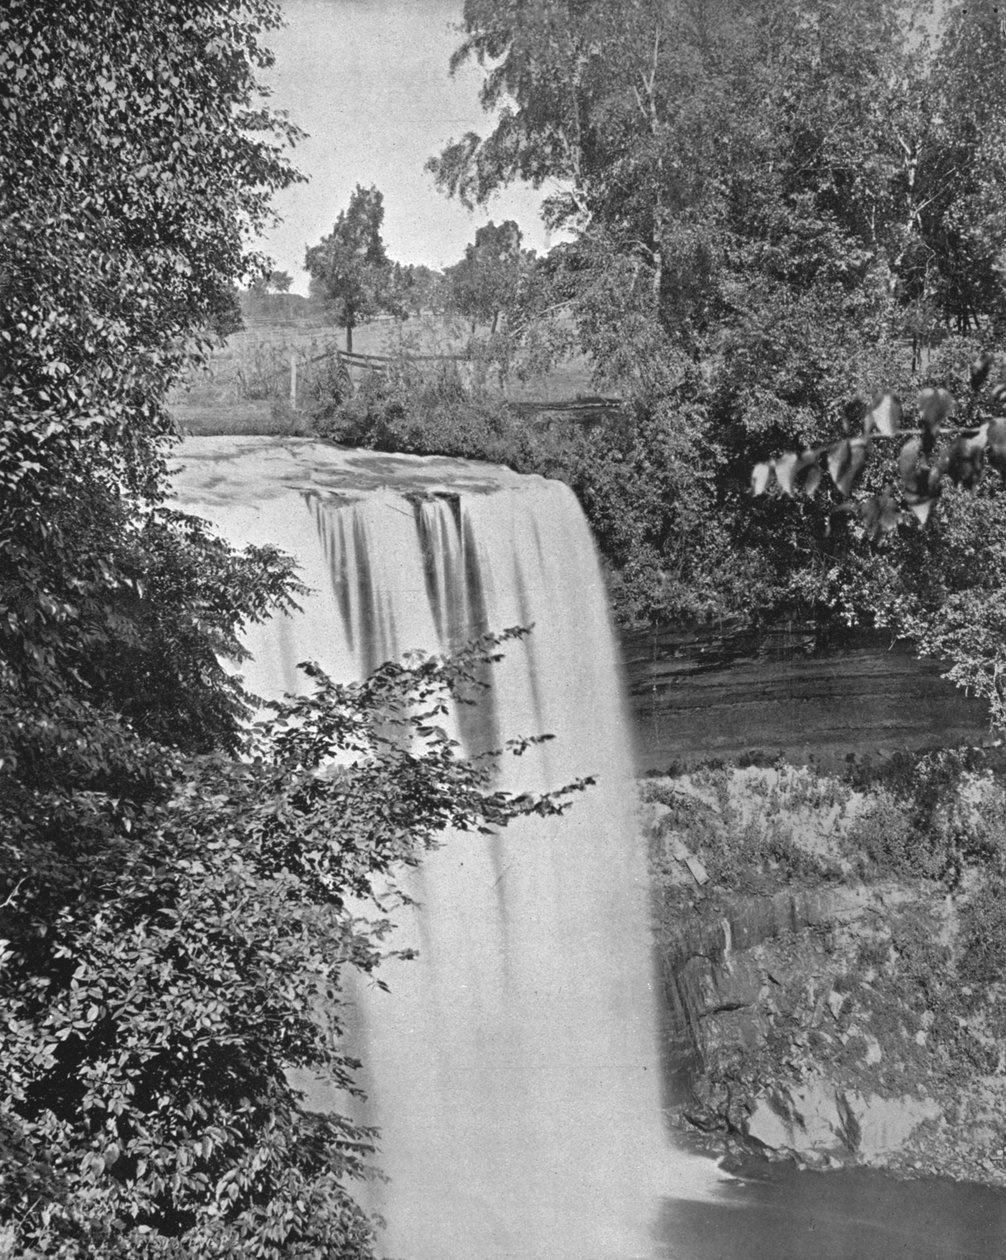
(924,465)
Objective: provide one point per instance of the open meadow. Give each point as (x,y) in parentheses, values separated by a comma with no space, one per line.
(246,387)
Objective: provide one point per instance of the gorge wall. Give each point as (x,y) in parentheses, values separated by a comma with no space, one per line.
(834,998)
(717,694)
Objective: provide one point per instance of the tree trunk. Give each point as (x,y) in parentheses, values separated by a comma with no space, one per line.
(349,338)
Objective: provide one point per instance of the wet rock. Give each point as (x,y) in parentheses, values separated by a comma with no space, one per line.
(815,1119)
(805,1120)
(886,1125)
(873,1054)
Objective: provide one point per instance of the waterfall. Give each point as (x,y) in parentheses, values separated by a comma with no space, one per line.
(513,1068)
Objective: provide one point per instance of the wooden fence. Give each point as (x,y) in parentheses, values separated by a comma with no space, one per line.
(347,360)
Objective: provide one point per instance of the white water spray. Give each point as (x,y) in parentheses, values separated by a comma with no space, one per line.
(513,1069)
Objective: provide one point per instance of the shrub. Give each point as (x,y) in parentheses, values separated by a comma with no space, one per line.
(162,969)
(425,410)
(932,813)
(983,935)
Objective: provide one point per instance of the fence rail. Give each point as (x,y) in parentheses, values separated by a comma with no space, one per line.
(375,360)
(347,359)
(582,410)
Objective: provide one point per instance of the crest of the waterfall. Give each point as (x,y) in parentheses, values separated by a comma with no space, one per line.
(513,1068)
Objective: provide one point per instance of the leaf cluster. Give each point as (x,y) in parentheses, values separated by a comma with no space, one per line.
(176,941)
(925,461)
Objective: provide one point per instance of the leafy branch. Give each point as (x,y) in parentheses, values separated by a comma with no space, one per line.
(926,460)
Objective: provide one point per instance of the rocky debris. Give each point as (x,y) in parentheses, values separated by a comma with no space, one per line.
(680,852)
(654,817)
(826,1004)
(806,1033)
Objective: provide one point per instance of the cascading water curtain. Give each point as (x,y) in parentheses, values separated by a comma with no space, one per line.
(513,1068)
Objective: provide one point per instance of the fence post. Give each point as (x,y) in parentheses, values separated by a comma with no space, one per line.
(293,380)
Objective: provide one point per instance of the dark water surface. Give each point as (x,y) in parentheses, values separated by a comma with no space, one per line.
(854,1215)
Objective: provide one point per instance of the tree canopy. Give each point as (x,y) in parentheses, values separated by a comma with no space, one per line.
(271,282)
(486,282)
(169,910)
(350,269)
(772,207)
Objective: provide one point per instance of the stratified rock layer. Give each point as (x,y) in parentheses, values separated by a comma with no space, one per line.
(712,694)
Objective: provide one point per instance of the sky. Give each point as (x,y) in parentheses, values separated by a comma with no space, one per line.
(369,81)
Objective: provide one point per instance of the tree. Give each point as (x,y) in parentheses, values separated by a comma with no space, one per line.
(423,290)
(350,269)
(114,270)
(271,282)
(151,1026)
(485,283)
(124,237)
(134,159)
(157,891)
(772,206)
(961,166)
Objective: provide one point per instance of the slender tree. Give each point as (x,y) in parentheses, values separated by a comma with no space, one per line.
(350,270)
(486,282)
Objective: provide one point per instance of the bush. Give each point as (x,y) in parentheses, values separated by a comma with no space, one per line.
(884,840)
(752,835)
(983,935)
(429,411)
(933,813)
(163,975)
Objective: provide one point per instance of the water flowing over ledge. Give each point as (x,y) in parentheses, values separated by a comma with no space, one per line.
(514,1069)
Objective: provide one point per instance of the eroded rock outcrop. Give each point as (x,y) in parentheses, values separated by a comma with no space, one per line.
(818,1013)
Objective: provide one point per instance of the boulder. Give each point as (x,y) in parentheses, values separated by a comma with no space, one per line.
(815,1119)
(804,1120)
(887,1124)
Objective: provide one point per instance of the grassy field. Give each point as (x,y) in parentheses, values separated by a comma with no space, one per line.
(246,386)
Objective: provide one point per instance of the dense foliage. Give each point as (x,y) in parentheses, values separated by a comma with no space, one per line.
(770,207)
(169,910)
(163,972)
(135,156)
(938,594)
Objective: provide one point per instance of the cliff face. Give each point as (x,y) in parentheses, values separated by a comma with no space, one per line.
(828,999)
(710,694)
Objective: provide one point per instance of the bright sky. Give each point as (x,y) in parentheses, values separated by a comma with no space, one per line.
(368,79)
